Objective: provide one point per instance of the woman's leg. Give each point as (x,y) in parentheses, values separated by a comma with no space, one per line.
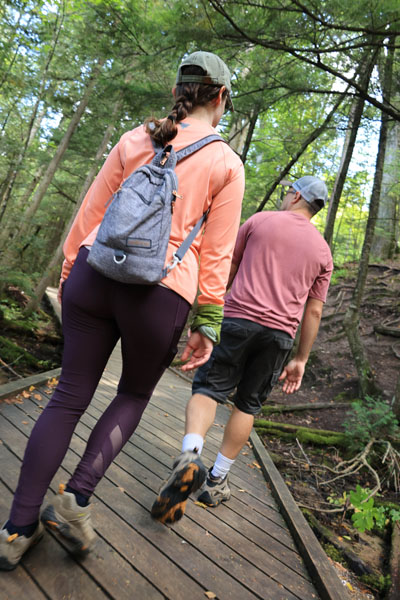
(90,334)
(150,319)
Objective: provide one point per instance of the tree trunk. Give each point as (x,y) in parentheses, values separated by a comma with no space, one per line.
(351,320)
(313,136)
(249,136)
(241,133)
(8,231)
(54,263)
(34,122)
(396,399)
(355,115)
(56,160)
(386,232)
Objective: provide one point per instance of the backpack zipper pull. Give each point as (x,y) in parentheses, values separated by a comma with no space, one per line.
(165,158)
(176,195)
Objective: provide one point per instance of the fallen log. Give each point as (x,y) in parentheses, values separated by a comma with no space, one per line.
(281,408)
(387,331)
(321,437)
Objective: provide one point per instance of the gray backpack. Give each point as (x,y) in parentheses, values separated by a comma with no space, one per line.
(132,241)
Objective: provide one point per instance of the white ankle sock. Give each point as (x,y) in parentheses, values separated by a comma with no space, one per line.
(192,441)
(221,466)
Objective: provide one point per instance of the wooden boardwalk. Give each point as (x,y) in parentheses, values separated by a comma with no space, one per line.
(241,550)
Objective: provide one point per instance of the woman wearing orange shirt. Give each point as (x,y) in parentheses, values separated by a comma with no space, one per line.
(98,311)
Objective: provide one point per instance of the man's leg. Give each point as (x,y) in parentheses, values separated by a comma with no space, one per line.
(216,489)
(267,351)
(213,382)
(236,433)
(200,415)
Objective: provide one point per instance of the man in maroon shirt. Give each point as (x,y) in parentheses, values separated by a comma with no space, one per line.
(280,275)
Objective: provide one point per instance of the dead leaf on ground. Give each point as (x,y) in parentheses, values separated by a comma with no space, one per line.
(26,394)
(210,594)
(32,388)
(24,422)
(201,504)
(121,489)
(37,396)
(255,463)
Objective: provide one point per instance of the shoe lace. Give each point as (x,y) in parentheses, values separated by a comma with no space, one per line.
(12,537)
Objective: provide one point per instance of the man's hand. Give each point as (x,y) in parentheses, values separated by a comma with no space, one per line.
(197,350)
(292,376)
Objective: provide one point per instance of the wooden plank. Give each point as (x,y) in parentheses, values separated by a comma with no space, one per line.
(162,470)
(243,570)
(133,548)
(276,539)
(15,387)
(163,433)
(322,573)
(221,550)
(19,584)
(244,582)
(48,566)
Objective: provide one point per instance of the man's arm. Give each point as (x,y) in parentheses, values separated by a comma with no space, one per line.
(232,274)
(292,374)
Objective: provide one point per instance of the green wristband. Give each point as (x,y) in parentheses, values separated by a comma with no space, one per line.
(208,316)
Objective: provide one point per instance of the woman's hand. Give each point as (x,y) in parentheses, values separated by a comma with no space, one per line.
(197,351)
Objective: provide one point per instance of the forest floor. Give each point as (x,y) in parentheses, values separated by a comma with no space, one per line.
(330,378)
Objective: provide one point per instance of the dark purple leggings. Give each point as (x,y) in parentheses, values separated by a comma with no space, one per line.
(96,312)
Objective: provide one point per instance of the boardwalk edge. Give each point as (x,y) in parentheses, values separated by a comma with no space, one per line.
(18,386)
(322,573)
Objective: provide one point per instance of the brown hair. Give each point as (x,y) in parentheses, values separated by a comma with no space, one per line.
(187,97)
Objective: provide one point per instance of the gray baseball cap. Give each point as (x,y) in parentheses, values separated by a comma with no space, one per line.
(217,73)
(313,190)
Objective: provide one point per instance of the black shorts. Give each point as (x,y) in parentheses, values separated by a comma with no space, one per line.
(249,359)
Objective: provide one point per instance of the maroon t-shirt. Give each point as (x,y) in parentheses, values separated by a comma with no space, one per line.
(282,261)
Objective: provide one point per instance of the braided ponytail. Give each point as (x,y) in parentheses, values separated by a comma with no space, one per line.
(187,97)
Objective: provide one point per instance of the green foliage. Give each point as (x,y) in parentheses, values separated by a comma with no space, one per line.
(12,353)
(366,515)
(371,418)
(381,583)
(334,553)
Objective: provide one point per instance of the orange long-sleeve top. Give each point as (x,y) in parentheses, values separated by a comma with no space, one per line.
(212,178)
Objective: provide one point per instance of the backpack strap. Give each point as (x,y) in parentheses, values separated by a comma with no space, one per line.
(178,255)
(181,154)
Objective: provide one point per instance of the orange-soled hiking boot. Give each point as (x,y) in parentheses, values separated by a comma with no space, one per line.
(187,476)
(13,547)
(71,521)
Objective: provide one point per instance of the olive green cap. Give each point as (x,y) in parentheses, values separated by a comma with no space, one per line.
(217,73)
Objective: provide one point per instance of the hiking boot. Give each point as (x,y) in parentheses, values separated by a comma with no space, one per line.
(12,547)
(187,476)
(71,521)
(214,490)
